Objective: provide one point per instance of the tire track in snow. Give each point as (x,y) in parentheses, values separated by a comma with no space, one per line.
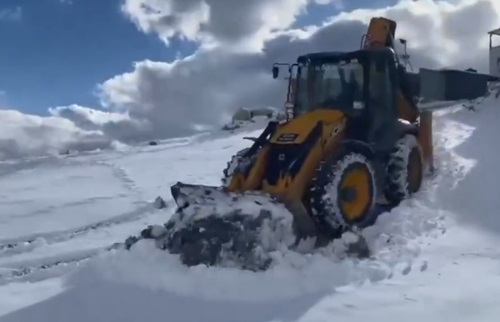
(122,175)
(38,269)
(49,268)
(28,243)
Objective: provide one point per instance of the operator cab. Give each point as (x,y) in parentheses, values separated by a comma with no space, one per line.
(324,81)
(362,84)
(351,81)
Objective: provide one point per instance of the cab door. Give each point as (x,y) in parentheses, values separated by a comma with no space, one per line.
(383,113)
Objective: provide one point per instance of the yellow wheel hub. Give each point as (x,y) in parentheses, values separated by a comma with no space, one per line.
(355,193)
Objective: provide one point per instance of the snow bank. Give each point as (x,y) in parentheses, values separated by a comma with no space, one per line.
(458,282)
(479,166)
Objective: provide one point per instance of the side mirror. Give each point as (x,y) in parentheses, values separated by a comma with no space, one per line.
(276,72)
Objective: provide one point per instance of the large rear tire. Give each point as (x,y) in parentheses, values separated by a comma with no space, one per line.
(404,170)
(343,193)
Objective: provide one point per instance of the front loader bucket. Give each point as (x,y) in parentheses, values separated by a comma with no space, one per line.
(216,227)
(198,201)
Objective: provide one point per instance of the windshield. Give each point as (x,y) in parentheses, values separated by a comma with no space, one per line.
(329,85)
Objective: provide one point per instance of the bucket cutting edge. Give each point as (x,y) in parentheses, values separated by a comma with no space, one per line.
(218,200)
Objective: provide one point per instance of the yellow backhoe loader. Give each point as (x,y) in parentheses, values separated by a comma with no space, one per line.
(353,145)
(352,140)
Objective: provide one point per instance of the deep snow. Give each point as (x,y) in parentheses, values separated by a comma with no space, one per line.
(435,255)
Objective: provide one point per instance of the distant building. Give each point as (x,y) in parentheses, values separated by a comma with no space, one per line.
(494,54)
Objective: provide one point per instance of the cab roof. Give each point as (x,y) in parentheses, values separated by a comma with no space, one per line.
(338,56)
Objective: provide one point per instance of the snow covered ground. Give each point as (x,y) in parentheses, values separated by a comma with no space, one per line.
(435,256)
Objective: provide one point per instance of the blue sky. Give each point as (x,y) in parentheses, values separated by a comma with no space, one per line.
(54,54)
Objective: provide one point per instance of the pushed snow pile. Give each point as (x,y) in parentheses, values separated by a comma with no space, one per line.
(243,117)
(214,228)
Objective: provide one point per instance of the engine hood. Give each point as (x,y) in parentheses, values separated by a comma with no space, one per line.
(297,130)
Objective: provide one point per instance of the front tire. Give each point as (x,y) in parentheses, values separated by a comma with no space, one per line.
(343,193)
(404,170)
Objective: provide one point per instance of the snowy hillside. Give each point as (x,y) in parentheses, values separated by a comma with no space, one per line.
(436,256)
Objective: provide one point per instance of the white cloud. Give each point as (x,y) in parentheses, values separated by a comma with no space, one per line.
(87,118)
(234,23)
(160,99)
(453,33)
